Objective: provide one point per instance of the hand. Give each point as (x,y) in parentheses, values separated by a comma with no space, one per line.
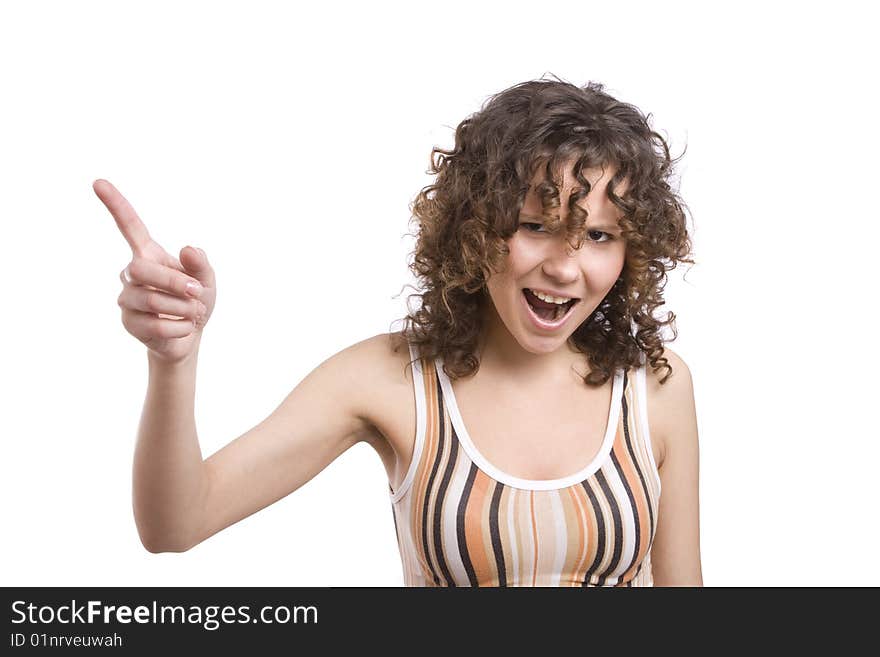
(156,307)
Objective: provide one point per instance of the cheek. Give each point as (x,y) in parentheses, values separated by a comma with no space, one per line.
(522,256)
(602,269)
(519,261)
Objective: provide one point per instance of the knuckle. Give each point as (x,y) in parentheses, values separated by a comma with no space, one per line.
(152,301)
(159,329)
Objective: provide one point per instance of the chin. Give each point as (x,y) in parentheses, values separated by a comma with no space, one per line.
(538,345)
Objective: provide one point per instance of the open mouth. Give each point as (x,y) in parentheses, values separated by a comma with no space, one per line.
(548,311)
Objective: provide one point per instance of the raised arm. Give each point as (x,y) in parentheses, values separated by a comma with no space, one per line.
(180,499)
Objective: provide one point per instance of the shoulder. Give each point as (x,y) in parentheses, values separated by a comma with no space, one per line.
(670,404)
(383,358)
(681,374)
(378,369)
(376,363)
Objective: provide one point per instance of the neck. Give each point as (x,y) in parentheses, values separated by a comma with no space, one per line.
(498,351)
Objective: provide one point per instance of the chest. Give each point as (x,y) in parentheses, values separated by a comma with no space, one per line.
(532,497)
(530,435)
(526,436)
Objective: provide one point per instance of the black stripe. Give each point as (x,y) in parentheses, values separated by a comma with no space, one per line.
(618,528)
(425,503)
(441,499)
(496,535)
(637,573)
(626,486)
(600,533)
(632,455)
(459,524)
(396,528)
(632,503)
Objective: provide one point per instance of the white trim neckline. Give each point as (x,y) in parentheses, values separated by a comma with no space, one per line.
(531,484)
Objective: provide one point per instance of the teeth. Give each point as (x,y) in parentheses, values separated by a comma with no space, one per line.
(549,298)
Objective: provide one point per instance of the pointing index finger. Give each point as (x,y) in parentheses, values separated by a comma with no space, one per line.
(127,220)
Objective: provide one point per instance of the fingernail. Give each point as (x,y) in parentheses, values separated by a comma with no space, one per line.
(200,251)
(193,289)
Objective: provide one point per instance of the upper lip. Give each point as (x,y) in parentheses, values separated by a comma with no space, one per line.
(553,293)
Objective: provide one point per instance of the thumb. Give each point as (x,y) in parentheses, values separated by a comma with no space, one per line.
(195,262)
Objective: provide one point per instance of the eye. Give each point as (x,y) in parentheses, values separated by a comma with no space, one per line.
(608,236)
(529,226)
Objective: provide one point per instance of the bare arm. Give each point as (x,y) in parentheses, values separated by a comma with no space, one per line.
(168,473)
(319,420)
(165,302)
(675,554)
(180,500)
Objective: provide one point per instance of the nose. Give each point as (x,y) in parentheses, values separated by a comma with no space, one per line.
(559,261)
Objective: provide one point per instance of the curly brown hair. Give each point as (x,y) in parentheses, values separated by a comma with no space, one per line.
(472,208)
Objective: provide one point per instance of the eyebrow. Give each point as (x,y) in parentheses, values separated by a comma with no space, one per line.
(604,224)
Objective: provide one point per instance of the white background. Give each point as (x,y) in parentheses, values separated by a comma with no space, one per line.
(287,140)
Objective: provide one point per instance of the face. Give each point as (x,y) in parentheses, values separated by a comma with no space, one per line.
(542,262)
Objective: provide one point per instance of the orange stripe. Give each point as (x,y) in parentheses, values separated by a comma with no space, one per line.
(576,492)
(473,527)
(431,437)
(643,519)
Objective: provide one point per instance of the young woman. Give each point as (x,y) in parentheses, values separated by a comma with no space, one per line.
(527,414)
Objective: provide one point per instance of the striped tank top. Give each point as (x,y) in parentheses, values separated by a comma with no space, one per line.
(460,521)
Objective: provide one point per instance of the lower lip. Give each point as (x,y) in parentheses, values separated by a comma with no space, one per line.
(542,323)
